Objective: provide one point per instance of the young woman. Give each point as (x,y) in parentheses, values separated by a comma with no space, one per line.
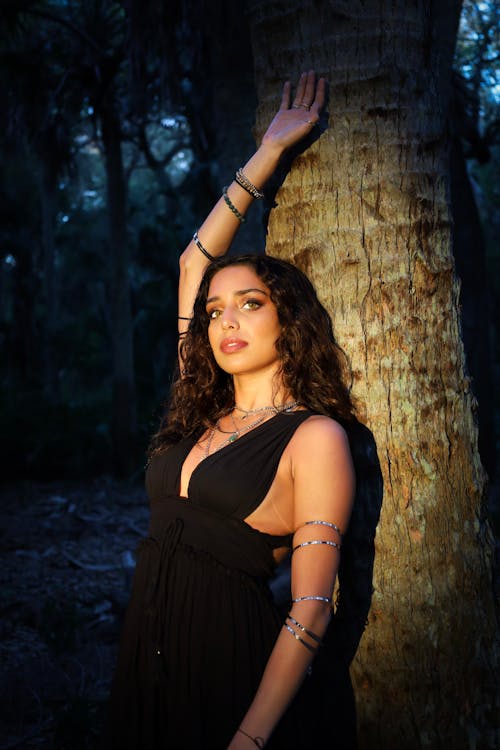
(251,462)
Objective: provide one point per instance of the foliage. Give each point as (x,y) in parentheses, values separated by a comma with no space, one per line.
(477,119)
(60,62)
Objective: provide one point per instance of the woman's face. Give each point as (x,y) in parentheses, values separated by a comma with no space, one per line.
(244,325)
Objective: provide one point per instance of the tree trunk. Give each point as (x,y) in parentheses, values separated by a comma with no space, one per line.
(123,426)
(365,213)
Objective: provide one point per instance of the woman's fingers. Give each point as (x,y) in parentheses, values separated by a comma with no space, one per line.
(285,97)
(309,94)
(301,87)
(319,99)
(309,88)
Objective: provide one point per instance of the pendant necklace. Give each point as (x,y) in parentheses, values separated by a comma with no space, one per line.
(233,436)
(264,413)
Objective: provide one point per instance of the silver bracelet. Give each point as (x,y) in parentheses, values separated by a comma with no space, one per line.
(200,247)
(316,541)
(245,183)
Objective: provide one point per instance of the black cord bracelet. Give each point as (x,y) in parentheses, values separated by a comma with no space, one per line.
(257,741)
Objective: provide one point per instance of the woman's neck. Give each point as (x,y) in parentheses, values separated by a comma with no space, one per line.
(253,392)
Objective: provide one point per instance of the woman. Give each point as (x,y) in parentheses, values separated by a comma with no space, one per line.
(250,462)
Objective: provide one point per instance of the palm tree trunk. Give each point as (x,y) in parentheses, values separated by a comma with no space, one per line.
(365,213)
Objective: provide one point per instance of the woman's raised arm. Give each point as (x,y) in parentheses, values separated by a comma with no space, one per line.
(291,123)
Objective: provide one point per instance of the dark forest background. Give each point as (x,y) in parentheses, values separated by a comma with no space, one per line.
(121,122)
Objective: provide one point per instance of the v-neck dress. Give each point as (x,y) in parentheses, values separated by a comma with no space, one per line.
(201,621)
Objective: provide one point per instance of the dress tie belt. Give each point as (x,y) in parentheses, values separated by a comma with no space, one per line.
(160,551)
(227,541)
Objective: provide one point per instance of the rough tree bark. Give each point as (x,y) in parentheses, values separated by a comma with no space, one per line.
(365,213)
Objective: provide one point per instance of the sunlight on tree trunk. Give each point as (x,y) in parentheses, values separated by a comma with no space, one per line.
(365,213)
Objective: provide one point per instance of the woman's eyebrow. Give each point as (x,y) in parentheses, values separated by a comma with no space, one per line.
(239,293)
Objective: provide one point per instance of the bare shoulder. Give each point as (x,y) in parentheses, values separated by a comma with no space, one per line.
(322,471)
(320,432)
(319,444)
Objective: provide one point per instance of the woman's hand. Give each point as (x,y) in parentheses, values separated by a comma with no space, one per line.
(292,123)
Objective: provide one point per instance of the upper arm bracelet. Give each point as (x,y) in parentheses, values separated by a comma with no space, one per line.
(316,541)
(326,599)
(321,523)
(320,541)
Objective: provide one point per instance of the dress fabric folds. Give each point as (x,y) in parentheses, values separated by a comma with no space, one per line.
(201,621)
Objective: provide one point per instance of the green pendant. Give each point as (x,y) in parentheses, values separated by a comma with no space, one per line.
(233,438)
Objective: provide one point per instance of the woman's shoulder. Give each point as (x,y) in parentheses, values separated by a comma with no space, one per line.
(318,433)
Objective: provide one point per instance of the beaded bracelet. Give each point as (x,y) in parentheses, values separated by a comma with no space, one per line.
(245,183)
(231,206)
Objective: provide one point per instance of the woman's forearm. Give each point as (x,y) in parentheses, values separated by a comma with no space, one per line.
(219,228)
(292,123)
(285,671)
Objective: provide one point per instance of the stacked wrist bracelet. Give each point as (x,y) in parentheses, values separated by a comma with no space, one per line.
(245,183)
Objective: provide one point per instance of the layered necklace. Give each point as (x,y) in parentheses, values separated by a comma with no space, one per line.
(263,412)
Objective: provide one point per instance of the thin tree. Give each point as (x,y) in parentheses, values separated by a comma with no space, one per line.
(366,213)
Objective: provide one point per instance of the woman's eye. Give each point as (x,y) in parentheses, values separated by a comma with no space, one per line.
(252,304)
(212,314)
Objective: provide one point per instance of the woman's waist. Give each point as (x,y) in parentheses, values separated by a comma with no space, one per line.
(233,543)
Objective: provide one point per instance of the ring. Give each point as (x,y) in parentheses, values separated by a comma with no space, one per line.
(299,106)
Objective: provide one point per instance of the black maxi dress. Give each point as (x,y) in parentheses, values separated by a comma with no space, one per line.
(201,621)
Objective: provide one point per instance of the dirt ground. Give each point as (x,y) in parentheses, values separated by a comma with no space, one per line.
(66,562)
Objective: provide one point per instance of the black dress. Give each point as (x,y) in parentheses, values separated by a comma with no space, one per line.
(201,622)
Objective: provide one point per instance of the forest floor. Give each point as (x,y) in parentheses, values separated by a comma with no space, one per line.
(66,563)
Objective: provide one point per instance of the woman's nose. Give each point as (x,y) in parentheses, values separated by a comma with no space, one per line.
(229,319)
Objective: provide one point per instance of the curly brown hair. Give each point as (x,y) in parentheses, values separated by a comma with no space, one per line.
(313,367)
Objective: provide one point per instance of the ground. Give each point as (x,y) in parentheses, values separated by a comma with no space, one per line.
(66,563)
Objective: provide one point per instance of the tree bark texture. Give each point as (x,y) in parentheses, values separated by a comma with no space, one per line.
(123,426)
(365,213)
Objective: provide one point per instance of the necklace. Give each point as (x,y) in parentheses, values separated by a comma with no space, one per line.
(276,409)
(263,411)
(233,436)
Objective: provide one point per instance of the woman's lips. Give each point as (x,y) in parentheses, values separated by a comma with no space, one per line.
(231,344)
